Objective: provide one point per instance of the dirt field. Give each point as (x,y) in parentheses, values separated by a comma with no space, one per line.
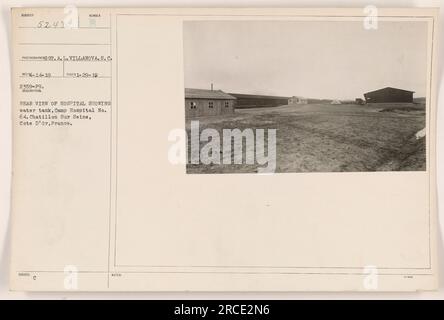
(330,138)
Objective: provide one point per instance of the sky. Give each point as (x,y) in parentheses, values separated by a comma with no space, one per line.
(313,59)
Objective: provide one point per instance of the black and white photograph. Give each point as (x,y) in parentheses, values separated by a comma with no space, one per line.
(221,151)
(305,96)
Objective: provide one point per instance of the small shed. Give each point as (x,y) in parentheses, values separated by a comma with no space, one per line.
(360,101)
(297,100)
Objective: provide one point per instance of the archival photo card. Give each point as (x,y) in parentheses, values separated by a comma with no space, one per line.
(224,150)
(305,96)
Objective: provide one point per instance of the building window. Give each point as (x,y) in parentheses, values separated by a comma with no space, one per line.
(227,104)
(210,104)
(193,105)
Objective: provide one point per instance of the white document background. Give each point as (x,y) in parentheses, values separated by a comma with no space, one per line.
(5,137)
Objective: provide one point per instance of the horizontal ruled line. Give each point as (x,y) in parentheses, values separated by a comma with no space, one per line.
(41,60)
(63,44)
(60,77)
(42,28)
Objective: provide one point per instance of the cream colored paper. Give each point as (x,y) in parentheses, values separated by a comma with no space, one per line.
(97,206)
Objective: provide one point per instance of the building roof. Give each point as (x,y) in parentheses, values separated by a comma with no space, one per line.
(389,88)
(255,96)
(207,94)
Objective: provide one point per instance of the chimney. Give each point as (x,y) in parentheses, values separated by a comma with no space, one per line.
(211,86)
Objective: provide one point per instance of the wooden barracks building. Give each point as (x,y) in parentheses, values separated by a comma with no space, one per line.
(389,94)
(200,102)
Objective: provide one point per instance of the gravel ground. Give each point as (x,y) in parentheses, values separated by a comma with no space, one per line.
(330,138)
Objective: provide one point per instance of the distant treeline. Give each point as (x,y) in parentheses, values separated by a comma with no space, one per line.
(419,100)
(319,101)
